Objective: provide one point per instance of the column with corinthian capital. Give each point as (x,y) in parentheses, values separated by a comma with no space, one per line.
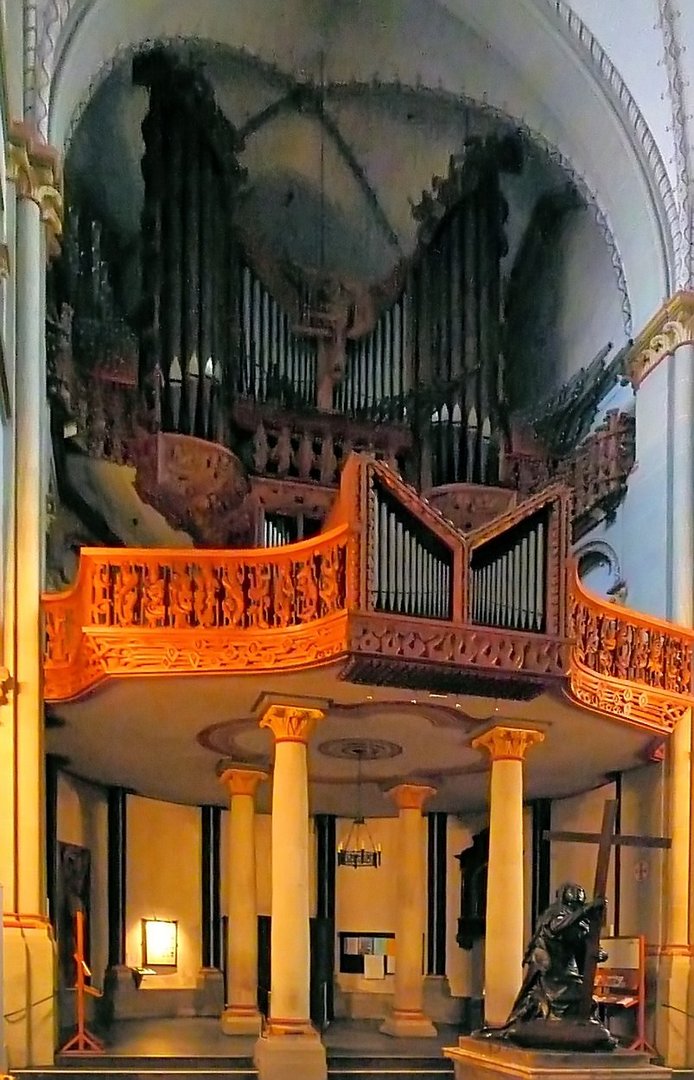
(241,1015)
(407,1017)
(503,951)
(291,1045)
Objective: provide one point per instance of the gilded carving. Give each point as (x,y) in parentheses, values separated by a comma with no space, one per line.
(33,167)
(411,796)
(671,327)
(508,743)
(240,781)
(291,723)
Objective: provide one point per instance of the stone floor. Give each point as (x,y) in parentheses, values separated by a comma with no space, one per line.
(202,1038)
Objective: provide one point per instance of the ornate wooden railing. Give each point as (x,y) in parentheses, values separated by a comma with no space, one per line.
(627,664)
(393,590)
(312,447)
(142,612)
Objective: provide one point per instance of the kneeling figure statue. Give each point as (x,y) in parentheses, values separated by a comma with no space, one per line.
(549,1011)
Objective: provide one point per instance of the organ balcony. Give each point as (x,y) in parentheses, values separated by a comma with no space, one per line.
(389,594)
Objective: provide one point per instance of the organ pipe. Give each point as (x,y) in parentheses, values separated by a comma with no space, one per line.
(508,578)
(277,364)
(412,568)
(190,288)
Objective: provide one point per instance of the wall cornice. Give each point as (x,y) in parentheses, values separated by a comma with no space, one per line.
(670,327)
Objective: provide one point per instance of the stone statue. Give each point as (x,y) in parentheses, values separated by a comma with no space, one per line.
(549,1011)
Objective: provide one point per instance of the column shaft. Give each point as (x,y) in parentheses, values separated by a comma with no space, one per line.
(30,396)
(437,834)
(242,1016)
(290,938)
(408,1018)
(503,958)
(504,940)
(117,833)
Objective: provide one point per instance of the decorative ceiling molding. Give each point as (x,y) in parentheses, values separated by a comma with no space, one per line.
(594,56)
(668,19)
(55,16)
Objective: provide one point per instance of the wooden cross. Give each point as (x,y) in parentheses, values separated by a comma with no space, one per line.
(606,839)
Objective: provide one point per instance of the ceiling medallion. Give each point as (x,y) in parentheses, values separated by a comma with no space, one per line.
(360,749)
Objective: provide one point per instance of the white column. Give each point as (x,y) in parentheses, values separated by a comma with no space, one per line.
(291,1045)
(504,944)
(408,1018)
(30,399)
(241,1016)
(28,953)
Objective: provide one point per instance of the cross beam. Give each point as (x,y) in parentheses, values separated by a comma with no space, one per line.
(619,839)
(606,839)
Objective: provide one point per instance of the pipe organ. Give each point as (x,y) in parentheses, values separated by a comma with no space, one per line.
(456,301)
(276,364)
(411,568)
(190,261)
(377,367)
(508,578)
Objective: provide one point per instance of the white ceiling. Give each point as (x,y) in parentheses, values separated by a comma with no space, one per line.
(522,59)
(148,735)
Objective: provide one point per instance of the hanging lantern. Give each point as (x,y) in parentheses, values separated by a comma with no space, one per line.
(358,849)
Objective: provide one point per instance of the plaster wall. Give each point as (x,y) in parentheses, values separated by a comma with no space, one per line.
(629,32)
(550,337)
(163,879)
(576,862)
(641,531)
(366,901)
(643,869)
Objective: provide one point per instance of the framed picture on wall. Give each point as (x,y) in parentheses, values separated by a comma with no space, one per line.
(159,943)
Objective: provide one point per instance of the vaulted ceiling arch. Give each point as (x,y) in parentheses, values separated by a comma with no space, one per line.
(530,60)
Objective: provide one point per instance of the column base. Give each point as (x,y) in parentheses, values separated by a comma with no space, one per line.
(440,1005)
(241,1020)
(277,1056)
(29,954)
(408,1024)
(209,992)
(674,1035)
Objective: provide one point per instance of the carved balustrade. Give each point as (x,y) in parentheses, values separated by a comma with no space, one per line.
(627,664)
(597,470)
(312,448)
(134,611)
(393,590)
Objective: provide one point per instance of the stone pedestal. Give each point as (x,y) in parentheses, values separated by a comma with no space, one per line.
(301,1057)
(487,1059)
(209,992)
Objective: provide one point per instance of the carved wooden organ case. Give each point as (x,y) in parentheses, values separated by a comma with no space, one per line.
(289,369)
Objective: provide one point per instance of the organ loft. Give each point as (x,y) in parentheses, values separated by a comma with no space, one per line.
(322,632)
